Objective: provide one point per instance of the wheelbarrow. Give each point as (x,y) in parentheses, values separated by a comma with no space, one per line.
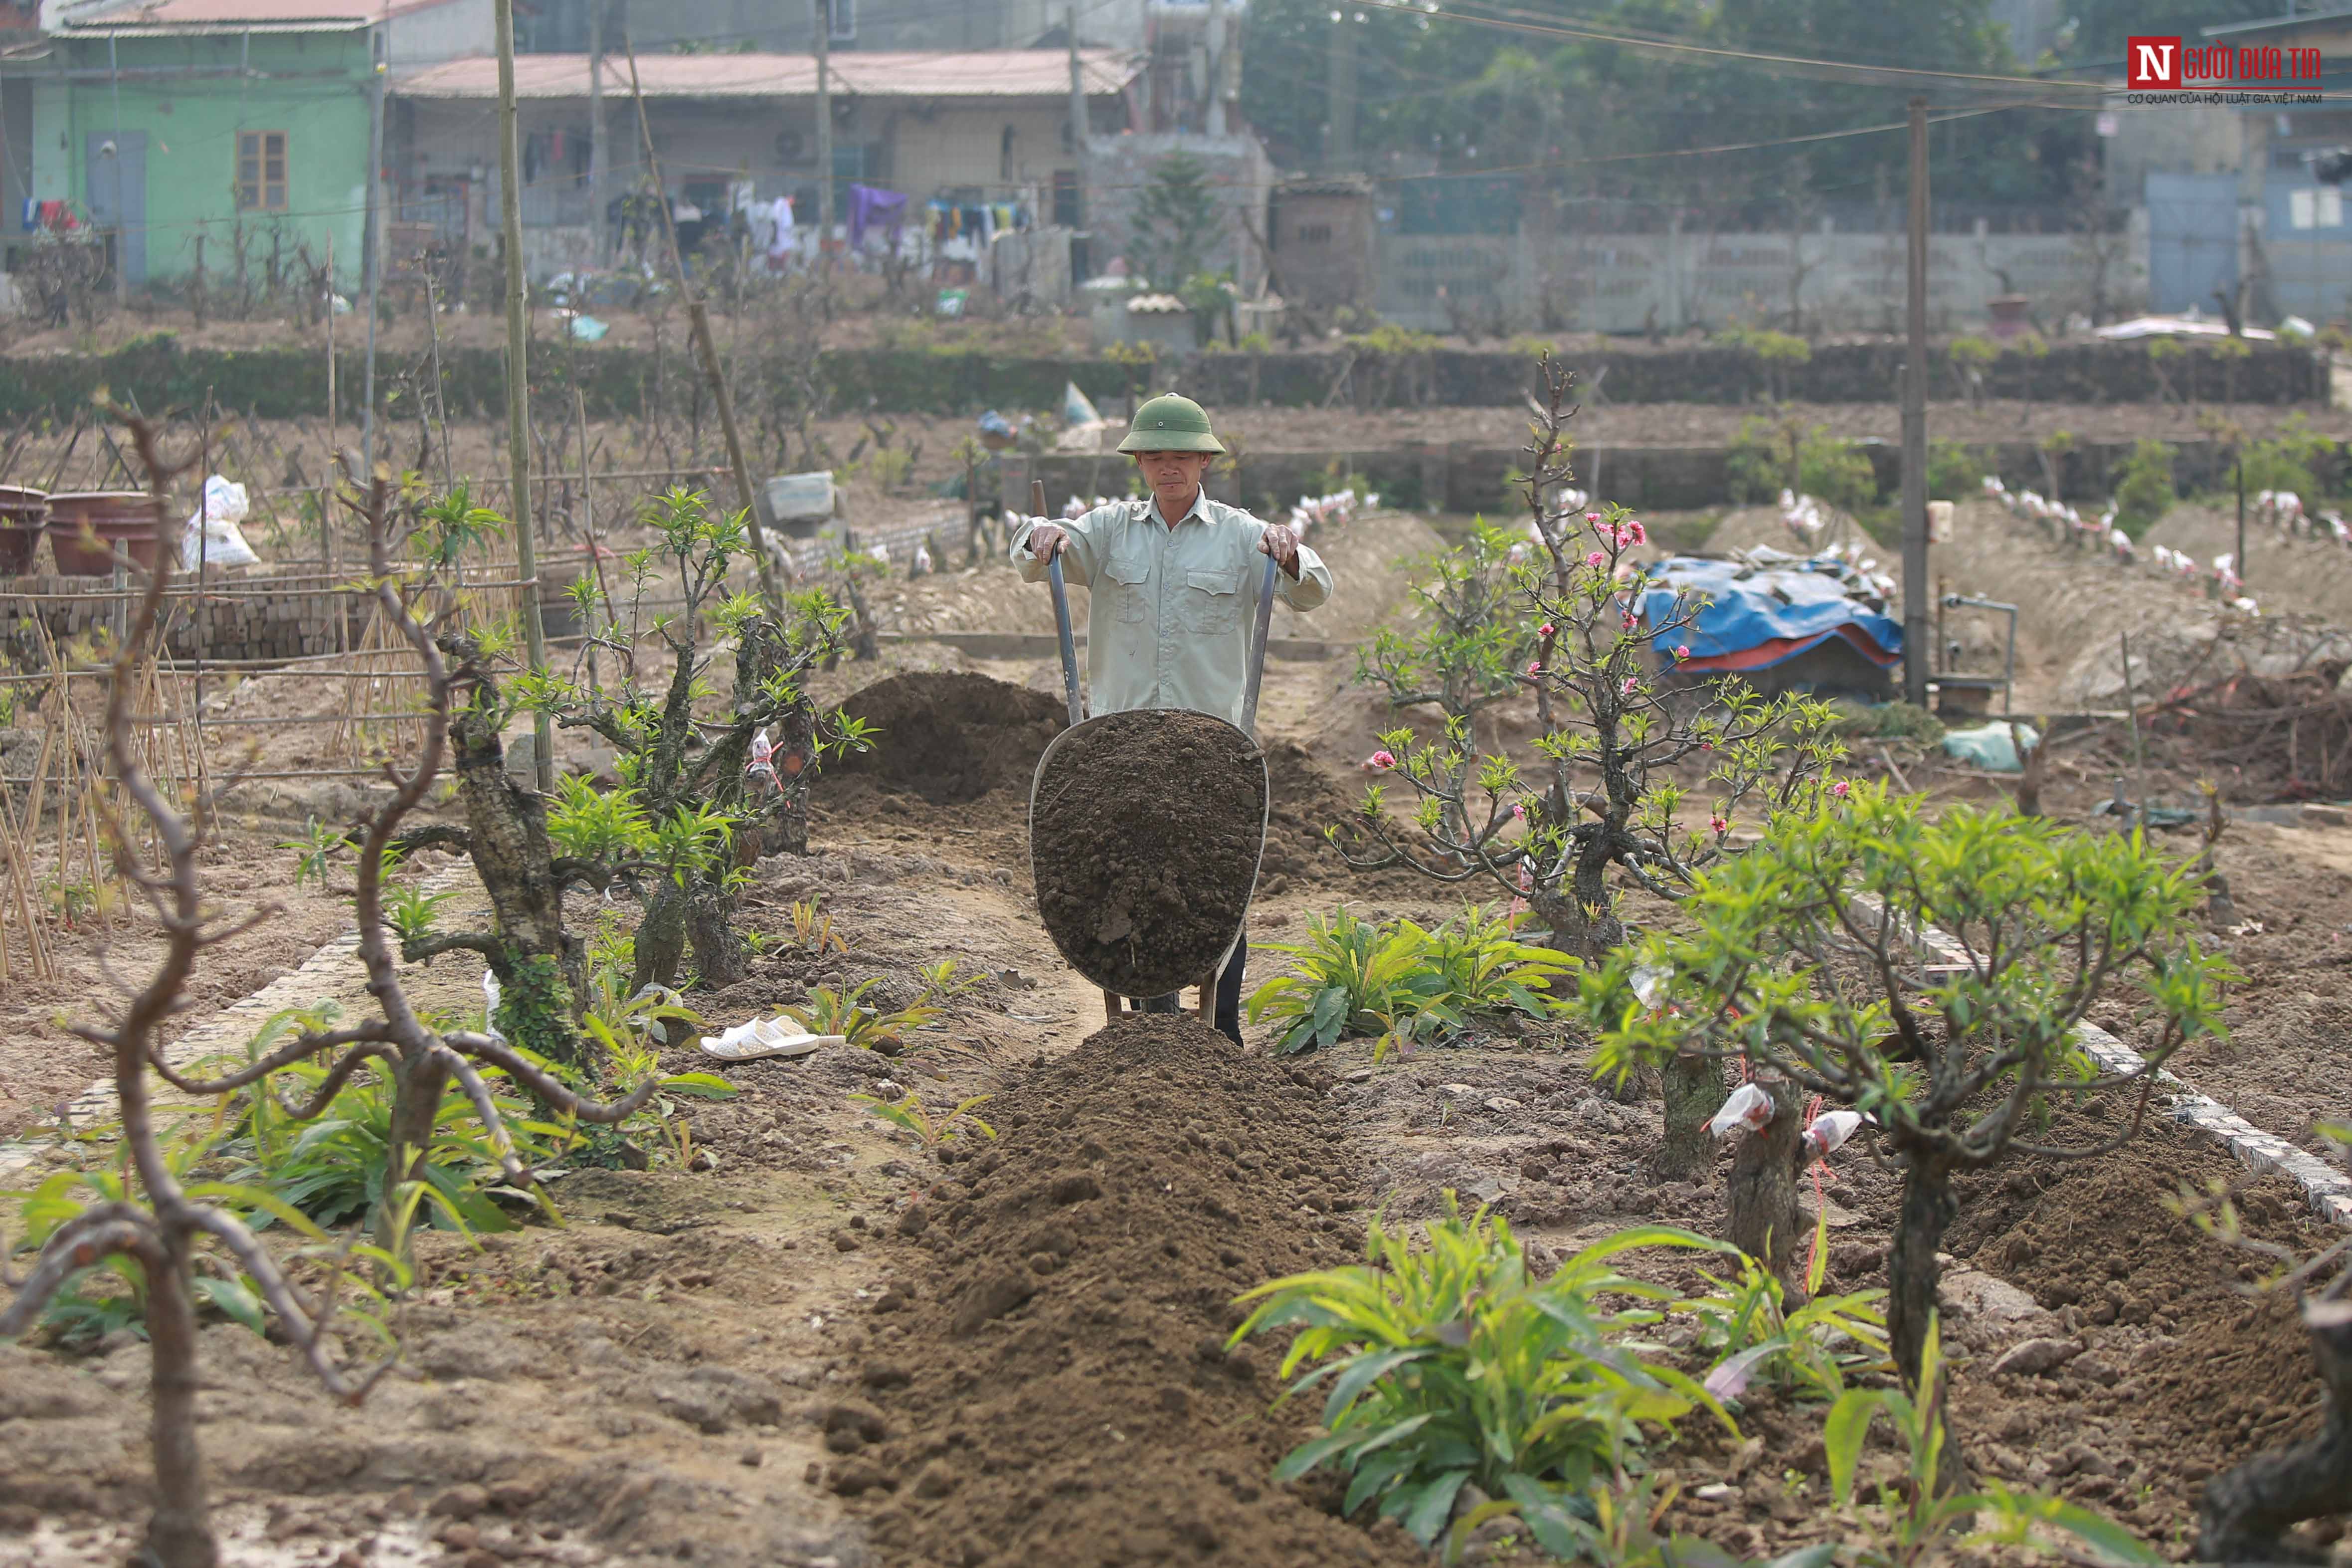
(1155,966)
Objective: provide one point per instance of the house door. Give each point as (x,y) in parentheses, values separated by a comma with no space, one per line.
(117,196)
(2192,240)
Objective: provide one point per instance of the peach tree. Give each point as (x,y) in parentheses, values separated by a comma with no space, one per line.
(1809,966)
(1616,728)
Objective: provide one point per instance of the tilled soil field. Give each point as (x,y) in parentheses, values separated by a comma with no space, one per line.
(1062,1393)
(833,1348)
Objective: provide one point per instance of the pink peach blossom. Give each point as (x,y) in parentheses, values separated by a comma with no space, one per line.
(1384,759)
(1546,630)
(1520,813)
(1682,650)
(1534,667)
(1841,789)
(1719,824)
(1595,558)
(1628,688)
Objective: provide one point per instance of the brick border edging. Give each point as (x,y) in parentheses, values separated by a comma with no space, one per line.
(227,1029)
(2327,1189)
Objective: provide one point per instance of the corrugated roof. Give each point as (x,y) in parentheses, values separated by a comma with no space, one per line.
(276,15)
(992,73)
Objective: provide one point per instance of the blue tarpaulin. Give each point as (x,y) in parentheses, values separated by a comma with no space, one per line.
(1760,617)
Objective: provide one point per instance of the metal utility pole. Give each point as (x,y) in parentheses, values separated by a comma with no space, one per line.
(1216,117)
(596,153)
(823,11)
(1340,151)
(698,320)
(1915,426)
(534,629)
(371,262)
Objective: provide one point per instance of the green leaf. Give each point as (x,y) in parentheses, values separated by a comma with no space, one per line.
(234,1301)
(1360,1372)
(2101,1535)
(1436,1503)
(1308,1454)
(1843,1431)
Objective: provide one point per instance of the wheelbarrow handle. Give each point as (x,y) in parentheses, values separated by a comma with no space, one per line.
(1258,650)
(1069,644)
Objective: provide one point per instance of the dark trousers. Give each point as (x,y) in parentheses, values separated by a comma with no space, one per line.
(1228,1010)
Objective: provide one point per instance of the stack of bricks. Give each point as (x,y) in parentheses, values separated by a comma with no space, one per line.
(246,619)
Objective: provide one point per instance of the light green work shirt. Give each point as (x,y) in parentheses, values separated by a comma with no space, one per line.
(1174,609)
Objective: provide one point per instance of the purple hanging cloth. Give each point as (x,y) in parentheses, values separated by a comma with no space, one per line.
(870,207)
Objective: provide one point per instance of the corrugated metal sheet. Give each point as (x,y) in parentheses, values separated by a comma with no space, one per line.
(147,16)
(995,73)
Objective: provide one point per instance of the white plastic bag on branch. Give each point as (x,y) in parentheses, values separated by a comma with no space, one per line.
(1830,1130)
(1749,1106)
(212,537)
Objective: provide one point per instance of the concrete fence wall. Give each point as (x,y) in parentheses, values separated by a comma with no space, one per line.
(1673,281)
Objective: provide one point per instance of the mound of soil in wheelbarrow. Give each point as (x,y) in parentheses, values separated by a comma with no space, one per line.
(950,736)
(1062,1393)
(1145,835)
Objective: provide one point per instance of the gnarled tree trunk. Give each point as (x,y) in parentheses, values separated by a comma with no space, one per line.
(2246,1511)
(1762,1197)
(1692,1086)
(179,1535)
(507,838)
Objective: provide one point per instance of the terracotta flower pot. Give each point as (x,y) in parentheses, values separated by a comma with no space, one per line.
(22,513)
(126,518)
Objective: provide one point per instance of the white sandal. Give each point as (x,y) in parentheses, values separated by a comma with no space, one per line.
(763,1038)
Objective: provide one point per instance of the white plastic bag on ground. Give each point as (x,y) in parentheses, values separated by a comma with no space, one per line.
(212,537)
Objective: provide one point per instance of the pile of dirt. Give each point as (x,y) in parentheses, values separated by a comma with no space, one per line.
(1062,1395)
(1145,840)
(950,736)
(2200,1372)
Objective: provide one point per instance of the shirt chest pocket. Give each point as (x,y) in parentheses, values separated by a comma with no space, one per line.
(1130,584)
(1212,599)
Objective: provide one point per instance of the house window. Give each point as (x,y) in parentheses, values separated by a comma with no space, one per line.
(1315,234)
(261,171)
(2318,208)
(1004,156)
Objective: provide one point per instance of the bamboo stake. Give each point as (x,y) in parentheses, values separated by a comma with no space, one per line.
(534,630)
(698,318)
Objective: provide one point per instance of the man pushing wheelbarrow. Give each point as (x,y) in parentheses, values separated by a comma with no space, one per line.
(1178,624)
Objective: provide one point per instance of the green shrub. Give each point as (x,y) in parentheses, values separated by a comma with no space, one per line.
(1887,721)
(1447,1367)
(1403,983)
(2144,491)
(2287,460)
(1768,458)
(1955,471)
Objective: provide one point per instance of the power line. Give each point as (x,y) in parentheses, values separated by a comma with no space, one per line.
(1778,65)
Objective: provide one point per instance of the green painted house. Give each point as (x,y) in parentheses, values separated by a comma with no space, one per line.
(194,128)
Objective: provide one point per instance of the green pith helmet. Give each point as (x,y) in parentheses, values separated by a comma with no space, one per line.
(1171,424)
